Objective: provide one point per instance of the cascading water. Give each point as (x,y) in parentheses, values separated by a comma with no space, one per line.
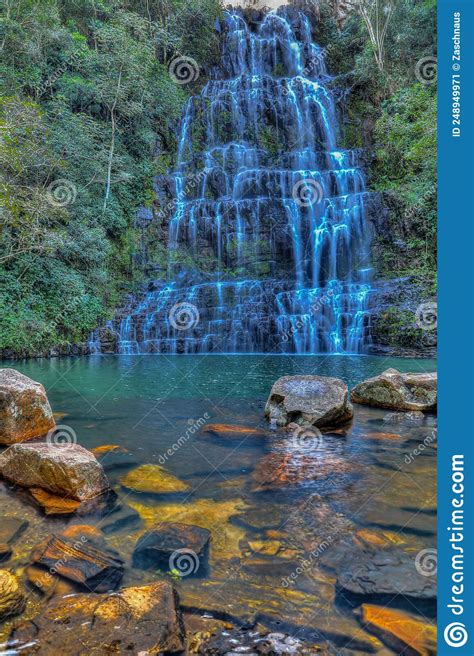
(261,186)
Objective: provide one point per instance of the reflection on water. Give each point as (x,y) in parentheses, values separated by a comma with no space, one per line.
(285,514)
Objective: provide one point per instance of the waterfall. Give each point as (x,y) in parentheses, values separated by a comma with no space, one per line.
(262,191)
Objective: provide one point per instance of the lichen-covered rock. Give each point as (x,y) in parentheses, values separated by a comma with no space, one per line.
(398,391)
(319,401)
(153,479)
(66,470)
(402,632)
(173,546)
(25,412)
(136,620)
(12,597)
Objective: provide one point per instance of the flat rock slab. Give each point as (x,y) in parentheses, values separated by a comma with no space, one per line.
(233,432)
(66,470)
(81,558)
(389,572)
(173,546)
(402,632)
(25,412)
(397,391)
(309,401)
(136,620)
(153,479)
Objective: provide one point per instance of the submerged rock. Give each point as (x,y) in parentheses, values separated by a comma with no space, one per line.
(113,456)
(25,412)
(153,479)
(11,528)
(398,391)
(66,470)
(136,620)
(173,546)
(233,432)
(389,572)
(402,632)
(309,401)
(12,596)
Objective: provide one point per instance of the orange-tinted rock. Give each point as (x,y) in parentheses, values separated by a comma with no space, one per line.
(85,560)
(384,436)
(25,412)
(66,470)
(49,584)
(277,470)
(108,448)
(12,596)
(400,631)
(52,504)
(233,431)
(136,620)
(79,531)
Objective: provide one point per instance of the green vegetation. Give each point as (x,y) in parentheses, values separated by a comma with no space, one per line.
(86,103)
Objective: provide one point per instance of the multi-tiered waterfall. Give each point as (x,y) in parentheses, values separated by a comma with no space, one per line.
(262,190)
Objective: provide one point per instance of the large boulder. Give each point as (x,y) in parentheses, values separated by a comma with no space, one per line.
(25,412)
(66,470)
(398,391)
(309,401)
(136,620)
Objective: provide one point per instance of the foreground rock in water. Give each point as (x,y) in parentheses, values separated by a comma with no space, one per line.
(404,633)
(398,391)
(66,470)
(173,546)
(153,479)
(309,401)
(82,557)
(233,432)
(24,408)
(388,572)
(137,620)
(12,597)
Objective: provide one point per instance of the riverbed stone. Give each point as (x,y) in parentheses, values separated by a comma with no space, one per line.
(153,479)
(233,432)
(25,412)
(404,633)
(83,556)
(173,546)
(11,528)
(319,401)
(371,574)
(398,391)
(66,470)
(12,595)
(136,620)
